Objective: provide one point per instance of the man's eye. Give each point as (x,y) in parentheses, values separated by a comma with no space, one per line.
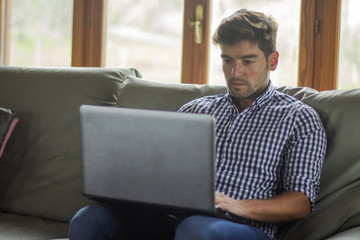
(247,62)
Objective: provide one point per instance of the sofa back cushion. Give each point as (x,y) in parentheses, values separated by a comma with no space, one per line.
(40,171)
(147,94)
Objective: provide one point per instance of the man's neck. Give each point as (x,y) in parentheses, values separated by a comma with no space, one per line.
(242,104)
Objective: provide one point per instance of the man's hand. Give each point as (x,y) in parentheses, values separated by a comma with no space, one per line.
(282,208)
(229,204)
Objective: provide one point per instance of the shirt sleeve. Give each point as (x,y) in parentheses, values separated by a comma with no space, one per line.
(201,105)
(188,107)
(305,155)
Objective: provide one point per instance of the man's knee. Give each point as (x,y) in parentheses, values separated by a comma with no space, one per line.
(88,214)
(198,227)
(90,220)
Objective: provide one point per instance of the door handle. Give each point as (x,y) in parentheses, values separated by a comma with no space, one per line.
(197,23)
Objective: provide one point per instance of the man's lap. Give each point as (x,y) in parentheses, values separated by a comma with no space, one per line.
(109,221)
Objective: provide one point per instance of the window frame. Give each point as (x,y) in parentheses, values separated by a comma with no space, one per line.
(5,10)
(195,59)
(88,31)
(319,44)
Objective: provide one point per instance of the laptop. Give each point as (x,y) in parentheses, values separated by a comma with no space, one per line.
(160,158)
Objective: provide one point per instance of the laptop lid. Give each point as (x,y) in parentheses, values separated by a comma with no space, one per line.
(146,156)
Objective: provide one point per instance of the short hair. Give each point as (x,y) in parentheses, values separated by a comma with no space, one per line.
(248,25)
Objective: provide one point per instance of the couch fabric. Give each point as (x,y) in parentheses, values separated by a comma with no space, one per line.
(40,170)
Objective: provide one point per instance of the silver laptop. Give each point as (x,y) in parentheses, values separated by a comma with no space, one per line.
(145,156)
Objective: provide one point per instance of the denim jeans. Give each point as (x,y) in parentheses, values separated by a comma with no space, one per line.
(107,221)
(211,228)
(111,221)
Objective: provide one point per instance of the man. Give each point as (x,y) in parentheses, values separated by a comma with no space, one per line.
(269,147)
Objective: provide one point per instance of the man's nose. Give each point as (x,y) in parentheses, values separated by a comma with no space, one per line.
(237,70)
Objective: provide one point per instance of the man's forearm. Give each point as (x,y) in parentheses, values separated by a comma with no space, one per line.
(282,208)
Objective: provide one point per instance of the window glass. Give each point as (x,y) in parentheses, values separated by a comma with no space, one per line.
(147,35)
(349,56)
(287,15)
(39,32)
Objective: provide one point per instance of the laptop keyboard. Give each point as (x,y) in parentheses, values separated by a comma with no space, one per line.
(221,213)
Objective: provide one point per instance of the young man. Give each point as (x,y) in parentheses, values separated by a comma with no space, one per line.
(269,148)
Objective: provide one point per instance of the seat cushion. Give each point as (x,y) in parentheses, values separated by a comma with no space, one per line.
(350,234)
(14,226)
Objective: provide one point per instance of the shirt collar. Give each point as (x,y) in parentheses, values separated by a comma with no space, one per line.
(260,101)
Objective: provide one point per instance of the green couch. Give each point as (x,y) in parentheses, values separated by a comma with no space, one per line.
(40,170)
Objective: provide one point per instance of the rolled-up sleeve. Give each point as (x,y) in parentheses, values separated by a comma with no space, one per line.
(305,155)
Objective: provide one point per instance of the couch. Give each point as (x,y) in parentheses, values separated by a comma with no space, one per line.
(40,169)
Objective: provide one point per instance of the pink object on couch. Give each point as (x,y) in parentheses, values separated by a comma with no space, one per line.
(8,134)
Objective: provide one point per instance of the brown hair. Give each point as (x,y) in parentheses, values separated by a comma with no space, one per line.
(253,26)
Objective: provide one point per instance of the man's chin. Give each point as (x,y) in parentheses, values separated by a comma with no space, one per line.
(240,91)
(239,94)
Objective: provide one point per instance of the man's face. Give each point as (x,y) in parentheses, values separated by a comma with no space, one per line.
(246,69)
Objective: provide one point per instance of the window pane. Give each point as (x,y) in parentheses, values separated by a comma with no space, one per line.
(147,35)
(40,32)
(287,15)
(349,56)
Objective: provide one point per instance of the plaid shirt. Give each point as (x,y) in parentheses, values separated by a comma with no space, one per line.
(275,146)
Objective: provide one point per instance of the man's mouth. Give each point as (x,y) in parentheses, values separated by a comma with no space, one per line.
(237,83)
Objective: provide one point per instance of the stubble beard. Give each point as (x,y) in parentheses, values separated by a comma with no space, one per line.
(247,90)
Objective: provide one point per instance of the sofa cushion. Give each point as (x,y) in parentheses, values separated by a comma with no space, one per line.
(8,122)
(24,227)
(40,171)
(148,94)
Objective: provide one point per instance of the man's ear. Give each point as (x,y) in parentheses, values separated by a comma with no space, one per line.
(273,60)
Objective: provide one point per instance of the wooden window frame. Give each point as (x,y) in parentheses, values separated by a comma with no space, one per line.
(88,32)
(5,7)
(319,44)
(195,57)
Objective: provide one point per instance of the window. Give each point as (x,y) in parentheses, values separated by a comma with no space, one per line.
(349,56)
(37,33)
(146,34)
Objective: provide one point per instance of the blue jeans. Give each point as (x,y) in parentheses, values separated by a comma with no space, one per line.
(211,228)
(107,221)
(111,221)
